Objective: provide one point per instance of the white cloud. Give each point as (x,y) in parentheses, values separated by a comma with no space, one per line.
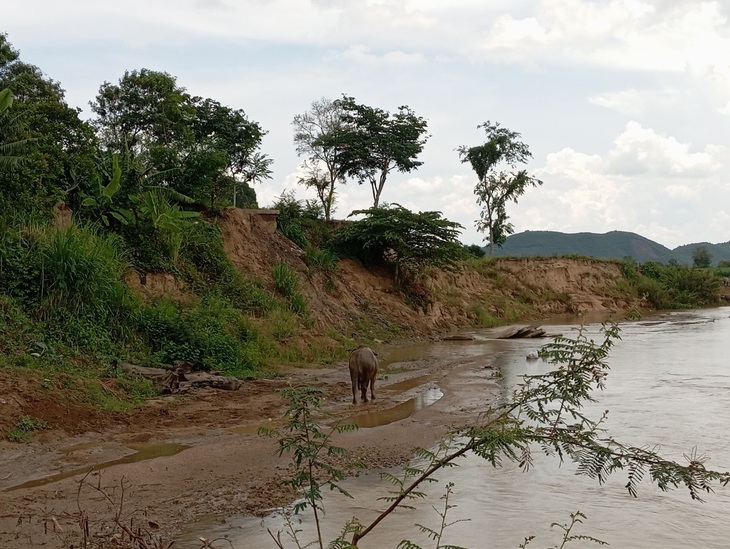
(634,102)
(635,186)
(641,150)
(362,54)
(615,33)
(618,99)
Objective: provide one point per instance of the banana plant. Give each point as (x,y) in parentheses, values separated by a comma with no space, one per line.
(166,218)
(10,126)
(102,199)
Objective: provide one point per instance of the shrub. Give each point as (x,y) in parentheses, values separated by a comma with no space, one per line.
(298,304)
(20,268)
(396,236)
(321,260)
(676,286)
(474,250)
(212,335)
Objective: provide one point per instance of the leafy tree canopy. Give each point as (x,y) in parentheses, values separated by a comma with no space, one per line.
(10,127)
(371,143)
(193,145)
(59,146)
(409,241)
(701,257)
(494,189)
(323,168)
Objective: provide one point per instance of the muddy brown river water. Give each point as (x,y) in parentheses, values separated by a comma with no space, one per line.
(669,387)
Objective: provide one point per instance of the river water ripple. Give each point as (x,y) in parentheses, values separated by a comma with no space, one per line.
(668,387)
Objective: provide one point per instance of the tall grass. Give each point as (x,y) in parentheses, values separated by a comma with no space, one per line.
(81,271)
(286,282)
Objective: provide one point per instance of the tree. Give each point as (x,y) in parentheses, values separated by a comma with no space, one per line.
(701,257)
(257,169)
(495,189)
(58,146)
(371,143)
(228,134)
(192,145)
(312,137)
(312,449)
(406,240)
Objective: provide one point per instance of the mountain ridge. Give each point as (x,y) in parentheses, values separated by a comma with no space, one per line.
(610,245)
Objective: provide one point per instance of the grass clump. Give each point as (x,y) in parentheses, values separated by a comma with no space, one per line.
(286,283)
(25,428)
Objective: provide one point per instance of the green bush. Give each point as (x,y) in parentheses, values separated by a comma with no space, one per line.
(17,330)
(692,287)
(298,304)
(654,292)
(474,250)
(212,335)
(405,240)
(675,286)
(20,267)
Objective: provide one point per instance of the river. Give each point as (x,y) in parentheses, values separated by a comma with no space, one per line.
(668,387)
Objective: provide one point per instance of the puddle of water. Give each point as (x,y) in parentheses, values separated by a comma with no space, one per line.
(142,452)
(399,412)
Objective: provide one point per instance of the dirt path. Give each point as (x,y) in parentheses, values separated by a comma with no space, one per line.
(225,468)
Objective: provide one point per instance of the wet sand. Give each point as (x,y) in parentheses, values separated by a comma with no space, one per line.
(221,466)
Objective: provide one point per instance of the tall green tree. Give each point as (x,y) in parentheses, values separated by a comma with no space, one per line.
(59,146)
(701,257)
(495,188)
(146,119)
(192,145)
(226,133)
(372,143)
(312,137)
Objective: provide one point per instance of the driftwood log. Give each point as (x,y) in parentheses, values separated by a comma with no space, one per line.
(531,331)
(181,379)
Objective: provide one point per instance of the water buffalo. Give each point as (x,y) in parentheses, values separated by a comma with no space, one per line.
(363,369)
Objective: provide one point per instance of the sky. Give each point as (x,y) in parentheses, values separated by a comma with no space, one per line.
(625,104)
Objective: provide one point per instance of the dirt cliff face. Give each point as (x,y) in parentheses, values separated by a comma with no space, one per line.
(510,290)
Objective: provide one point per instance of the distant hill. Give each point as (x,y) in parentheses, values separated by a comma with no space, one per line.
(719,252)
(612,245)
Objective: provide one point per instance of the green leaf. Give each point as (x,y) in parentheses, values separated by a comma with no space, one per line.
(6,99)
(111,189)
(119,217)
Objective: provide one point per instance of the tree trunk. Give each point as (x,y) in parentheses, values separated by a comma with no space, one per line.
(377,189)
